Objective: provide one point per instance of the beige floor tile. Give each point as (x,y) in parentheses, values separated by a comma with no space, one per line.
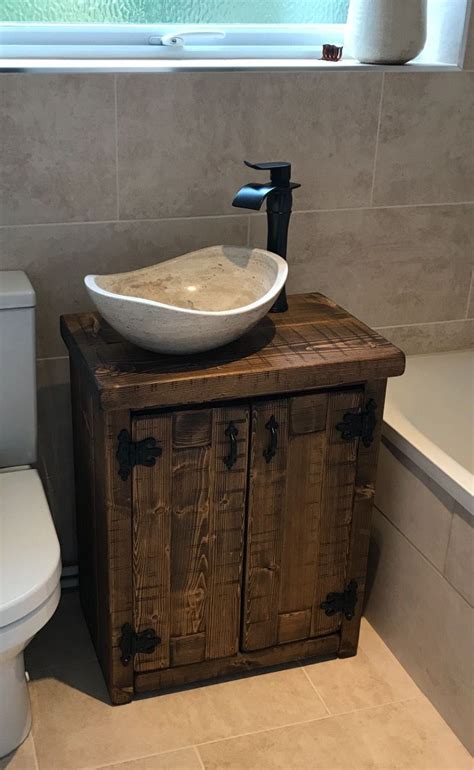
(21,759)
(63,640)
(399,736)
(74,725)
(185,759)
(372,678)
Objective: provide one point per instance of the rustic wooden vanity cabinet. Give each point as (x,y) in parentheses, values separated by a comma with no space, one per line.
(224,500)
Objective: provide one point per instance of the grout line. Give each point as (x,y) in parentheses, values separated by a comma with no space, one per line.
(314,688)
(423,556)
(200,759)
(117,188)
(52,358)
(422,323)
(379,121)
(35,755)
(472,284)
(296,212)
(135,758)
(306,721)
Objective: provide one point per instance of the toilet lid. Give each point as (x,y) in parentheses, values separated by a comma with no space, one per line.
(30,565)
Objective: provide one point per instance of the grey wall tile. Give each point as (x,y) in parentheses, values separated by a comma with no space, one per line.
(55,458)
(181,143)
(419,508)
(183,137)
(459,568)
(426,141)
(387,266)
(432,337)
(428,626)
(469,54)
(57,257)
(326,126)
(58,148)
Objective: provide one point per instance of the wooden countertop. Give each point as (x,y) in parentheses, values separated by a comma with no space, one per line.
(316,344)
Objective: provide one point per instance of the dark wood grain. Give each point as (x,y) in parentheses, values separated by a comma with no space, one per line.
(361,519)
(315,345)
(115,574)
(337,497)
(189,512)
(264,531)
(164,549)
(152,542)
(242,662)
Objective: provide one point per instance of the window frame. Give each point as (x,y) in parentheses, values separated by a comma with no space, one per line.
(132,41)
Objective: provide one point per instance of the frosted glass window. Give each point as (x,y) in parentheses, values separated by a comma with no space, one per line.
(176,11)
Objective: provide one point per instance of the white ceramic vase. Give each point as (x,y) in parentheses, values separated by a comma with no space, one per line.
(386,31)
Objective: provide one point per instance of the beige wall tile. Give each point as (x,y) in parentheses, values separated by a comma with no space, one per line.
(73,718)
(21,759)
(432,337)
(426,146)
(401,736)
(469,54)
(459,568)
(388,266)
(57,258)
(58,148)
(183,137)
(375,679)
(417,506)
(186,759)
(428,626)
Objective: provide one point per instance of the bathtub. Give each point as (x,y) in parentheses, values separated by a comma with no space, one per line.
(429,417)
(420,593)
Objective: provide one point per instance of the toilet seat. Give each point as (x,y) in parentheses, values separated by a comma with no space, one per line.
(30,564)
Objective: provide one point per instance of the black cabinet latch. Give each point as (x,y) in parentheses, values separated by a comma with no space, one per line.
(360,425)
(131,453)
(341,602)
(132,642)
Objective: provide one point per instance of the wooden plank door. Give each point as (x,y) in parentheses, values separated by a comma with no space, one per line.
(188,530)
(299,516)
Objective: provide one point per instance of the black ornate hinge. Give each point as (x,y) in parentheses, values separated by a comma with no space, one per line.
(131,453)
(132,642)
(344,602)
(360,425)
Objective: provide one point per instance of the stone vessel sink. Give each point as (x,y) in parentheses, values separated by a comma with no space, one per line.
(191,303)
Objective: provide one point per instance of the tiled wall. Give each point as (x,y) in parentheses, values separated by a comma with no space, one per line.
(421,593)
(102,173)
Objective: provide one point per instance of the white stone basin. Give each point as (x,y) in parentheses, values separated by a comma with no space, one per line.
(191,303)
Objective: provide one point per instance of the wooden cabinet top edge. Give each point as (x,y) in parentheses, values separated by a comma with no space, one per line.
(316,344)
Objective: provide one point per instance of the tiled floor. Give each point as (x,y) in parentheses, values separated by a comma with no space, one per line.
(353,714)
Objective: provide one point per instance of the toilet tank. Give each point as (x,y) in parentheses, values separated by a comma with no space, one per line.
(17,370)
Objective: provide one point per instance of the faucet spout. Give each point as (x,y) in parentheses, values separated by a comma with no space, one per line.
(252,195)
(278,194)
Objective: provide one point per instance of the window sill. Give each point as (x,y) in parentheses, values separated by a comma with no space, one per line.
(204,65)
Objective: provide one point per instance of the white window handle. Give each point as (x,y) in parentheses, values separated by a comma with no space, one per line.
(177,39)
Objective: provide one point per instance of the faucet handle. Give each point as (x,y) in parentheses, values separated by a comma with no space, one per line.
(280,171)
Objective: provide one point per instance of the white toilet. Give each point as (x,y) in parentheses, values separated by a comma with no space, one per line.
(30,565)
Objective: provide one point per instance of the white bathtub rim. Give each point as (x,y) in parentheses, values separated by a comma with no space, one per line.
(456,480)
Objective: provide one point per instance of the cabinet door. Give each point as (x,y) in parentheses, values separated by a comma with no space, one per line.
(188,524)
(302,476)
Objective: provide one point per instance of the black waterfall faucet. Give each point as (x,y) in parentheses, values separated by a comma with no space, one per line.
(278,192)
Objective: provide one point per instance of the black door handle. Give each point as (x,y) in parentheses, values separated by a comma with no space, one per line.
(270,451)
(231,432)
